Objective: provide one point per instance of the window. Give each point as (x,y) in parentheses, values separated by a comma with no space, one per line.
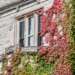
(31,31)
(21,33)
(39,30)
(29,27)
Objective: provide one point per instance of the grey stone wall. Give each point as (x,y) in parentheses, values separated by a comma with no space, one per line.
(6,2)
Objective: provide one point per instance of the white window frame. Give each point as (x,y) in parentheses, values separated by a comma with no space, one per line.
(35,34)
(19,28)
(31,35)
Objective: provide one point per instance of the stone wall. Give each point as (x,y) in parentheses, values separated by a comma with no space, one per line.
(9,28)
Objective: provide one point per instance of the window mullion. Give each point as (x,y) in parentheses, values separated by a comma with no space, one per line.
(36,28)
(26,31)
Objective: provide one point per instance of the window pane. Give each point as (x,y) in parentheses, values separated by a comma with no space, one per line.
(21,26)
(39,30)
(39,23)
(31,31)
(28,41)
(22,29)
(31,25)
(31,41)
(29,28)
(39,40)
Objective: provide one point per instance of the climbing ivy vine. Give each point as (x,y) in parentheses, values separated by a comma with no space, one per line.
(72,53)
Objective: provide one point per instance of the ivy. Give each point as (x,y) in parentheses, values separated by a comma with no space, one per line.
(72,53)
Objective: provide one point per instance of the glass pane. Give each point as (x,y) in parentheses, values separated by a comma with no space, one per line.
(22,33)
(31,41)
(31,25)
(39,30)
(28,41)
(39,23)
(31,31)
(22,29)
(39,40)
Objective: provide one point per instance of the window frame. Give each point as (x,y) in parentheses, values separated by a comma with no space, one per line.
(21,20)
(36,14)
(31,35)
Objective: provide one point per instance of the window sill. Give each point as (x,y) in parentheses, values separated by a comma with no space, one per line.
(30,49)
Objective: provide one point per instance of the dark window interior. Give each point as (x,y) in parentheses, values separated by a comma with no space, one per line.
(29,27)
(39,30)
(29,30)
(28,41)
(21,26)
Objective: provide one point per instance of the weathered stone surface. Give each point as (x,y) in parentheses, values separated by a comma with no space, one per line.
(6,2)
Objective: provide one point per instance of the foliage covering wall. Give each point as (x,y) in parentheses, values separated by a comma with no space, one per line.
(72,53)
(70,22)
